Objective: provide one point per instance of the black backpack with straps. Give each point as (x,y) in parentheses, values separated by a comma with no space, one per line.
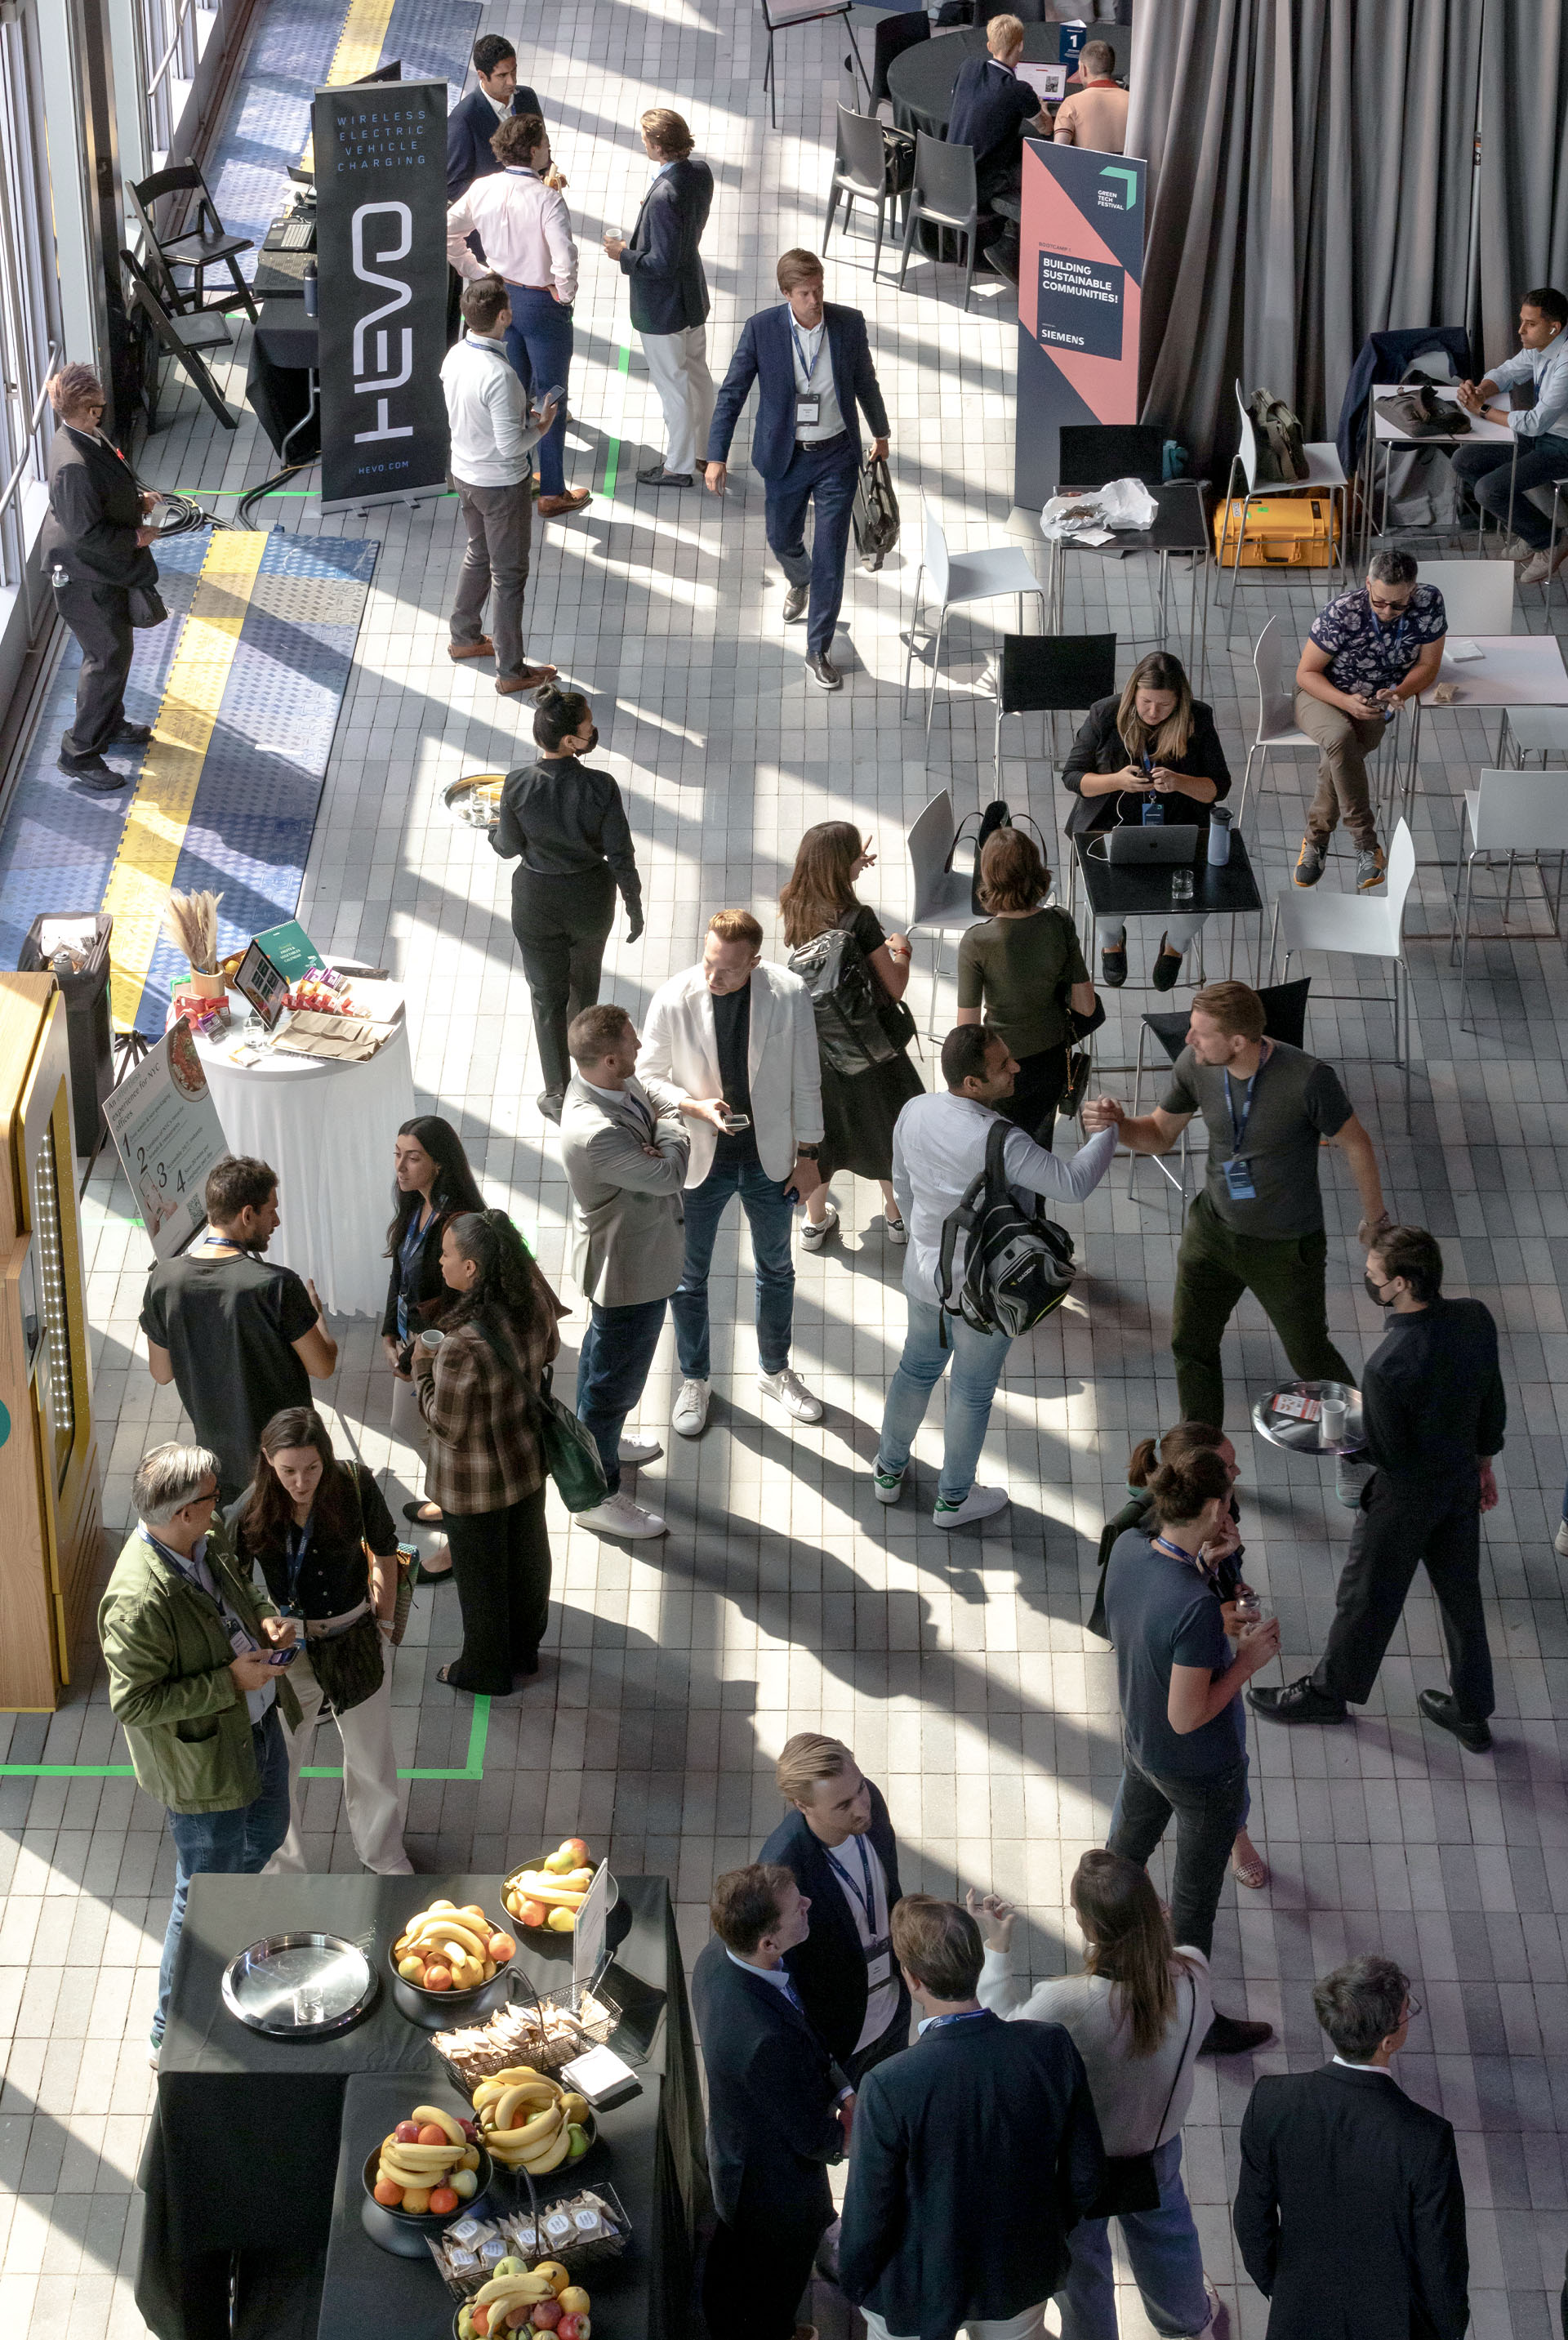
(1018,1264)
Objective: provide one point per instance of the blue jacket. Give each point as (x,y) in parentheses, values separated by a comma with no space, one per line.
(764,355)
(469,127)
(829,1967)
(668,290)
(772,2097)
(1383,357)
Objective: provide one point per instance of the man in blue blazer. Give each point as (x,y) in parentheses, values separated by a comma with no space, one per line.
(669,292)
(469,127)
(812,364)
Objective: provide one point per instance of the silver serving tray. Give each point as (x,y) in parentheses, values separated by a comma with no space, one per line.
(260,1985)
(1307,1437)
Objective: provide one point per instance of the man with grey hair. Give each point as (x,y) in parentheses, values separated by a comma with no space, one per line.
(195,1656)
(1367,653)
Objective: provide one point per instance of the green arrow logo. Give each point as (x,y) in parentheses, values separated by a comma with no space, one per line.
(1129,178)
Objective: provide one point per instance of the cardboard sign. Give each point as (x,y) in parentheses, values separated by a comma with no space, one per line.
(166,1130)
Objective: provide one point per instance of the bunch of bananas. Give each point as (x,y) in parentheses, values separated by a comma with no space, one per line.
(447,1948)
(507,2302)
(425,2162)
(530,2121)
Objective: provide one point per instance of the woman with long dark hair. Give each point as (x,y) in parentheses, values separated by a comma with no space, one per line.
(1137,2014)
(476,1373)
(858,1109)
(324,1539)
(1012,971)
(431,1180)
(565,825)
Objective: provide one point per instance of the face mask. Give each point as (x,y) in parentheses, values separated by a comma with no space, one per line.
(1375,1292)
(592,739)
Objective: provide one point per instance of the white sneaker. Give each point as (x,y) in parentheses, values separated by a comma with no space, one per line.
(787,1389)
(977,1504)
(894,1229)
(1536,569)
(816,1232)
(1559,1542)
(889,1485)
(618,1515)
(690,1412)
(635,1450)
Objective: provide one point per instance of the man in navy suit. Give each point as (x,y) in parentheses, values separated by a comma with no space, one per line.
(469,127)
(778,2108)
(669,292)
(812,364)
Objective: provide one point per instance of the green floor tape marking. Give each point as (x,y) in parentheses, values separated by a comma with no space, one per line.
(612,460)
(473,1769)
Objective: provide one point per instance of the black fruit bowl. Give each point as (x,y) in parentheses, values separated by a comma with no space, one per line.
(542,1938)
(444,2010)
(517,2181)
(405,2232)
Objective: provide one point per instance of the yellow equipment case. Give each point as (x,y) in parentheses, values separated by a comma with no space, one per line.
(1282,532)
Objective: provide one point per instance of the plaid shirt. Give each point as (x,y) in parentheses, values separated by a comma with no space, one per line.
(484,1453)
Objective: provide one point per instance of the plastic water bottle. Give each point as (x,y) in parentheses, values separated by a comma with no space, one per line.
(309,280)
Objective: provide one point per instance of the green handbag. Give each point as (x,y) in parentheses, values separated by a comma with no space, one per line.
(571,1453)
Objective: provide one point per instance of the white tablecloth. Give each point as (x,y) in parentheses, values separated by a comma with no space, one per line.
(327,1130)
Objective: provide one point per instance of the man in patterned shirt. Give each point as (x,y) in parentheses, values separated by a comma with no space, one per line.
(1367,653)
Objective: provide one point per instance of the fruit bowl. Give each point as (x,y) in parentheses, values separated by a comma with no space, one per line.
(560,1899)
(510,2299)
(407,2233)
(436,2009)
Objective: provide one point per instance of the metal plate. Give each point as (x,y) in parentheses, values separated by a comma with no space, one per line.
(1307,1437)
(298,1986)
(474,802)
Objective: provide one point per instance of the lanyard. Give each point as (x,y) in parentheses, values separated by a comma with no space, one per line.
(940,2022)
(1383,633)
(800,349)
(865,1900)
(1175,1552)
(188,1569)
(1238,1128)
(298,1541)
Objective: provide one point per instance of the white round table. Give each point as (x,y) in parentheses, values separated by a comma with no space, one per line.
(327,1129)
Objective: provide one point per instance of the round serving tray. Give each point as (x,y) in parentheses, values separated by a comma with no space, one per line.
(263,1987)
(467,810)
(1304,1437)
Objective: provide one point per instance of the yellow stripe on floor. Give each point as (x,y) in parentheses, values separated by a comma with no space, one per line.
(358,53)
(160,812)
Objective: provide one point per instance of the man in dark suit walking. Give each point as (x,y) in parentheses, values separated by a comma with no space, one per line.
(837,1844)
(469,127)
(813,365)
(1350,2212)
(778,2108)
(669,292)
(975,2153)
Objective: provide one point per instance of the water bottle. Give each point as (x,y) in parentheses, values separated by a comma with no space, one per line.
(1219,822)
(310,285)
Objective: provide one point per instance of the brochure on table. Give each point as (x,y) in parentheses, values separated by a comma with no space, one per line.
(166,1128)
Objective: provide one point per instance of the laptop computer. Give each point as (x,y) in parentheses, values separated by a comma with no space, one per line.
(1159,842)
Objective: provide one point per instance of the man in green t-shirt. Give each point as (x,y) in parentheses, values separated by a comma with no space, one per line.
(1257,1225)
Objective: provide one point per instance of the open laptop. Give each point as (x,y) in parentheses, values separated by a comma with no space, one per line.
(1159,842)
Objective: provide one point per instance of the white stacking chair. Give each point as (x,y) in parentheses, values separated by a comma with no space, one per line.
(959,577)
(1362,926)
(1506,813)
(942,895)
(1325,474)
(1534,731)
(1478,595)
(1277,733)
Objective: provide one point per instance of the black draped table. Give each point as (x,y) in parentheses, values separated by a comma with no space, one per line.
(921,82)
(243,2157)
(282,380)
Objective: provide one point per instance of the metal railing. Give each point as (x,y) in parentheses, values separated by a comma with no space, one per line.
(11,543)
(180,49)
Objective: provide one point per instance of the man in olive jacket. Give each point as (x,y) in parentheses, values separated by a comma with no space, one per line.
(195,1680)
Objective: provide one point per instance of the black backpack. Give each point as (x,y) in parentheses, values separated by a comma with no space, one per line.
(1018,1264)
(847,1001)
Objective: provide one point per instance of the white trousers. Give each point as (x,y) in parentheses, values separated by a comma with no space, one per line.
(678,365)
(374,1795)
(1027,2327)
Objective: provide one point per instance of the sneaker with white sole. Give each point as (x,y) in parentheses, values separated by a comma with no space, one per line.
(889,1484)
(816,1232)
(787,1389)
(1536,569)
(155,2049)
(1559,1542)
(618,1515)
(689,1413)
(977,1504)
(894,1229)
(634,1449)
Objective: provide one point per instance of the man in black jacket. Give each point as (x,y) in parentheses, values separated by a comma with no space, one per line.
(837,1844)
(1434,1412)
(469,127)
(778,2108)
(669,292)
(1350,2211)
(975,2153)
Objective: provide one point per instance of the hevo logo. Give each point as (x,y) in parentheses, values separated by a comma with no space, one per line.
(375,375)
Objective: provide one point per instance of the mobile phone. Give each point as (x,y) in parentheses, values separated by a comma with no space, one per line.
(286,1656)
(736,1122)
(551,398)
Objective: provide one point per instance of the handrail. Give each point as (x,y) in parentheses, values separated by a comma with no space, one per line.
(15,480)
(182,11)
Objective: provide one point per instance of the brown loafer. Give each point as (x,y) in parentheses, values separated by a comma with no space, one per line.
(553,507)
(484,648)
(529,680)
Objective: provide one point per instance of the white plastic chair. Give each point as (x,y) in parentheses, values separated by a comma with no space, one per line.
(1363,925)
(1324,471)
(1478,595)
(1506,813)
(1277,733)
(943,904)
(1534,731)
(959,577)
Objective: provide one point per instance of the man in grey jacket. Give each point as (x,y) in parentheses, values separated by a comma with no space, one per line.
(624,1148)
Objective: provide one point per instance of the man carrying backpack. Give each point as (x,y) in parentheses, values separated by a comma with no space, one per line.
(939,1150)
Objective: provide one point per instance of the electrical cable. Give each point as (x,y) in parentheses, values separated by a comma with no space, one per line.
(189,516)
(252,496)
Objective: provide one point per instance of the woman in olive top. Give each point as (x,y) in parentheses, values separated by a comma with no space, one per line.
(1152,754)
(1011,972)
(566,825)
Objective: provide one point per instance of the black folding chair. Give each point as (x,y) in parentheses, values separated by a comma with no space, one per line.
(198,247)
(944,193)
(182,337)
(1092,454)
(1051,674)
(1284,1019)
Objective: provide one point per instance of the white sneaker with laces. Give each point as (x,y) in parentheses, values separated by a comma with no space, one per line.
(816,1232)
(897,1232)
(618,1515)
(1559,1542)
(690,1410)
(787,1389)
(977,1504)
(1536,569)
(635,1449)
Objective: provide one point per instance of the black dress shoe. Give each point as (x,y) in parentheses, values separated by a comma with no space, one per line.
(1228,2036)
(1114,967)
(93,772)
(823,672)
(133,735)
(654,475)
(1299,1701)
(1438,1706)
(550,1102)
(795,602)
(1166,968)
(416,1513)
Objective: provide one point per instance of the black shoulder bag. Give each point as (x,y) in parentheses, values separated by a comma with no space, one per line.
(1130,2183)
(349,1665)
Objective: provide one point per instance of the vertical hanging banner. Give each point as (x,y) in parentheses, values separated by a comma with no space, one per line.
(381,250)
(1081,295)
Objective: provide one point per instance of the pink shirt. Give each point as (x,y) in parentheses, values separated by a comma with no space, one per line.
(523,227)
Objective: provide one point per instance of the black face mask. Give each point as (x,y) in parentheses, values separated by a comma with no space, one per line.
(1375,1292)
(592,739)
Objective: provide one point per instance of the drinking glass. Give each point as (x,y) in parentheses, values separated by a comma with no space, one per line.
(310,2007)
(1181,889)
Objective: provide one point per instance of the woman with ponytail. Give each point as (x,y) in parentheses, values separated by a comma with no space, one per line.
(477,1374)
(565,826)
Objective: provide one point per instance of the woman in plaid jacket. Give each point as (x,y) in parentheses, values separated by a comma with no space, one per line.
(477,1388)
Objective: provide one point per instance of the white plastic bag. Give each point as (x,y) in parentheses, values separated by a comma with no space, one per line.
(1071,514)
(1128,503)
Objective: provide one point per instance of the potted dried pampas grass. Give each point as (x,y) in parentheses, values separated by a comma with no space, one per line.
(191,922)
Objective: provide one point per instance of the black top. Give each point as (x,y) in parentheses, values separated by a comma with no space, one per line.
(990,107)
(669,289)
(732,1039)
(230,1325)
(1099,747)
(1432,1395)
(564,819)
(829,1967)
(1350,2209)
(95,511)
(772,2094)
(333,1575)
(419,1283)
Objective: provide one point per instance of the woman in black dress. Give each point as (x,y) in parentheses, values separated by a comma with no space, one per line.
(858,1109)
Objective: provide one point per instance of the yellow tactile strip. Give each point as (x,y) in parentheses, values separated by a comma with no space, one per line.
(358,53)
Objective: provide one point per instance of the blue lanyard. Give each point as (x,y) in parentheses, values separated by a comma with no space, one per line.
(188,1569)
(1382,631)
(1175,1552)
(1238,1128)
(868,1900)
(801,350)
(298,1541)
(940,2022)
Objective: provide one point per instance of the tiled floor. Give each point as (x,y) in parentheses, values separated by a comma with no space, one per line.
(784,1597)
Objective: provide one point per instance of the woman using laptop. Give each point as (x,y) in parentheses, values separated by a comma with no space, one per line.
(1152,756)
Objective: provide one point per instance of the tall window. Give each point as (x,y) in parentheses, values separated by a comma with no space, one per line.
(168,36)
(29,291)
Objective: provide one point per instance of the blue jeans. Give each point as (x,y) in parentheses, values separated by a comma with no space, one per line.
(539,343)
(769,1215)
(1167,2258)
(826,475)
(237,1843)
(612,1368)
(978,1359)
(1487,471)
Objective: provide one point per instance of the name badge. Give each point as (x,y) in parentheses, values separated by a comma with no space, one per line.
(1238,1179)
(808,411)
(879,1963)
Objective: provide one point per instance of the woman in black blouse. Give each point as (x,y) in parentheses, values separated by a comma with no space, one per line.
(1153,754)
(566,825)
(324,1541)
(432,1182)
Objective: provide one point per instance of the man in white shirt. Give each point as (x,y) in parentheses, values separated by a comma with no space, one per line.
(1500,478)
(492,440)
(939,1150)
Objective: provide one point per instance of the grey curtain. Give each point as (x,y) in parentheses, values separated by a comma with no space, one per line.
(1523,238)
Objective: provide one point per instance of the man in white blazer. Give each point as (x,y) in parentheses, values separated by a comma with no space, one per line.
(738,1041)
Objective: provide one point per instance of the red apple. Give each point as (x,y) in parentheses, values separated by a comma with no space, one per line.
(470,2130)
(574,2327)
(546,2315)
(517,2318)
(407,2132)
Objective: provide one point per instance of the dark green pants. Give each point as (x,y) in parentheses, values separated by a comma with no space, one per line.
(1286,1275)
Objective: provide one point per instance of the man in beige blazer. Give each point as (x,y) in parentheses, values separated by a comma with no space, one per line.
(624,1147)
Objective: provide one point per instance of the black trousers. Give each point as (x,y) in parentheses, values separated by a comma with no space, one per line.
(893,2042)
(561,925)
(99,617)
(501,1562)
(1401,1522)
(755,2275)
(1036,1093)
(1209,1810)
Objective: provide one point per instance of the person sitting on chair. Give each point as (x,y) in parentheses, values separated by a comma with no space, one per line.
(991,109)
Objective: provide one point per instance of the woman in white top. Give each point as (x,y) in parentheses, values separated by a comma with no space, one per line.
(1138,2015)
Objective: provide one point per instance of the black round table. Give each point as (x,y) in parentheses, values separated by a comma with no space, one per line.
(921,82)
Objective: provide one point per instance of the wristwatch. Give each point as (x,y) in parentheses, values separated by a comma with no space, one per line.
(807,1153)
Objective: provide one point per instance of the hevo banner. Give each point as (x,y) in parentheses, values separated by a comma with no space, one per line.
(1080,292)
(381,255)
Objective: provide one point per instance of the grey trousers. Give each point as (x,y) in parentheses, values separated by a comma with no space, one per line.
(499,524)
